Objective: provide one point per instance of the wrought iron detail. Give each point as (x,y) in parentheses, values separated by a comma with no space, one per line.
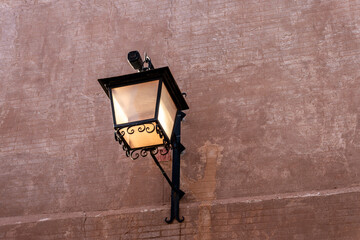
(165,150)
(175,145)
(159,131)
(136,153)
(146,127)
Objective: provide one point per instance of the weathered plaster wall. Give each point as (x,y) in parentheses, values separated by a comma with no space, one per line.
(274,95)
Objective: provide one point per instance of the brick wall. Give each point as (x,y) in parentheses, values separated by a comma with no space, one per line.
(273,89)
(335,216)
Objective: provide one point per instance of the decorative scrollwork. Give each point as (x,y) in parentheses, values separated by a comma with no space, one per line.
(149,128)
(125,148)
(119,135)
(129,130)
(143,152)
(154,151)
(165,142)
(152,128)
(122,132)
(133,154)
(165,150)
(159,131)
(141,128)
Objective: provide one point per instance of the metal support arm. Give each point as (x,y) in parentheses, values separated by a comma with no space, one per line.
(178,148)
(173,188)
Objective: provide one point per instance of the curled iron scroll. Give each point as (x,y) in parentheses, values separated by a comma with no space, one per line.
(143,152)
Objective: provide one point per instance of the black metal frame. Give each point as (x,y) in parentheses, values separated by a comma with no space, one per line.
(177,149)
(164,76)
(155,120)
(169,142)
(158,95)
(163,73)
(133,152)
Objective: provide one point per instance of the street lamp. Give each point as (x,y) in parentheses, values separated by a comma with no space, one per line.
(147,113)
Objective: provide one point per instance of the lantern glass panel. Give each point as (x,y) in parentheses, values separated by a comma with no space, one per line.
(143,135)
(167,111)
(134,102)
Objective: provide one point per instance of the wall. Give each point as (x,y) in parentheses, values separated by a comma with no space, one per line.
(272,134)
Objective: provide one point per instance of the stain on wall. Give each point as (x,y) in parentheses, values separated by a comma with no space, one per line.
(204,188)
